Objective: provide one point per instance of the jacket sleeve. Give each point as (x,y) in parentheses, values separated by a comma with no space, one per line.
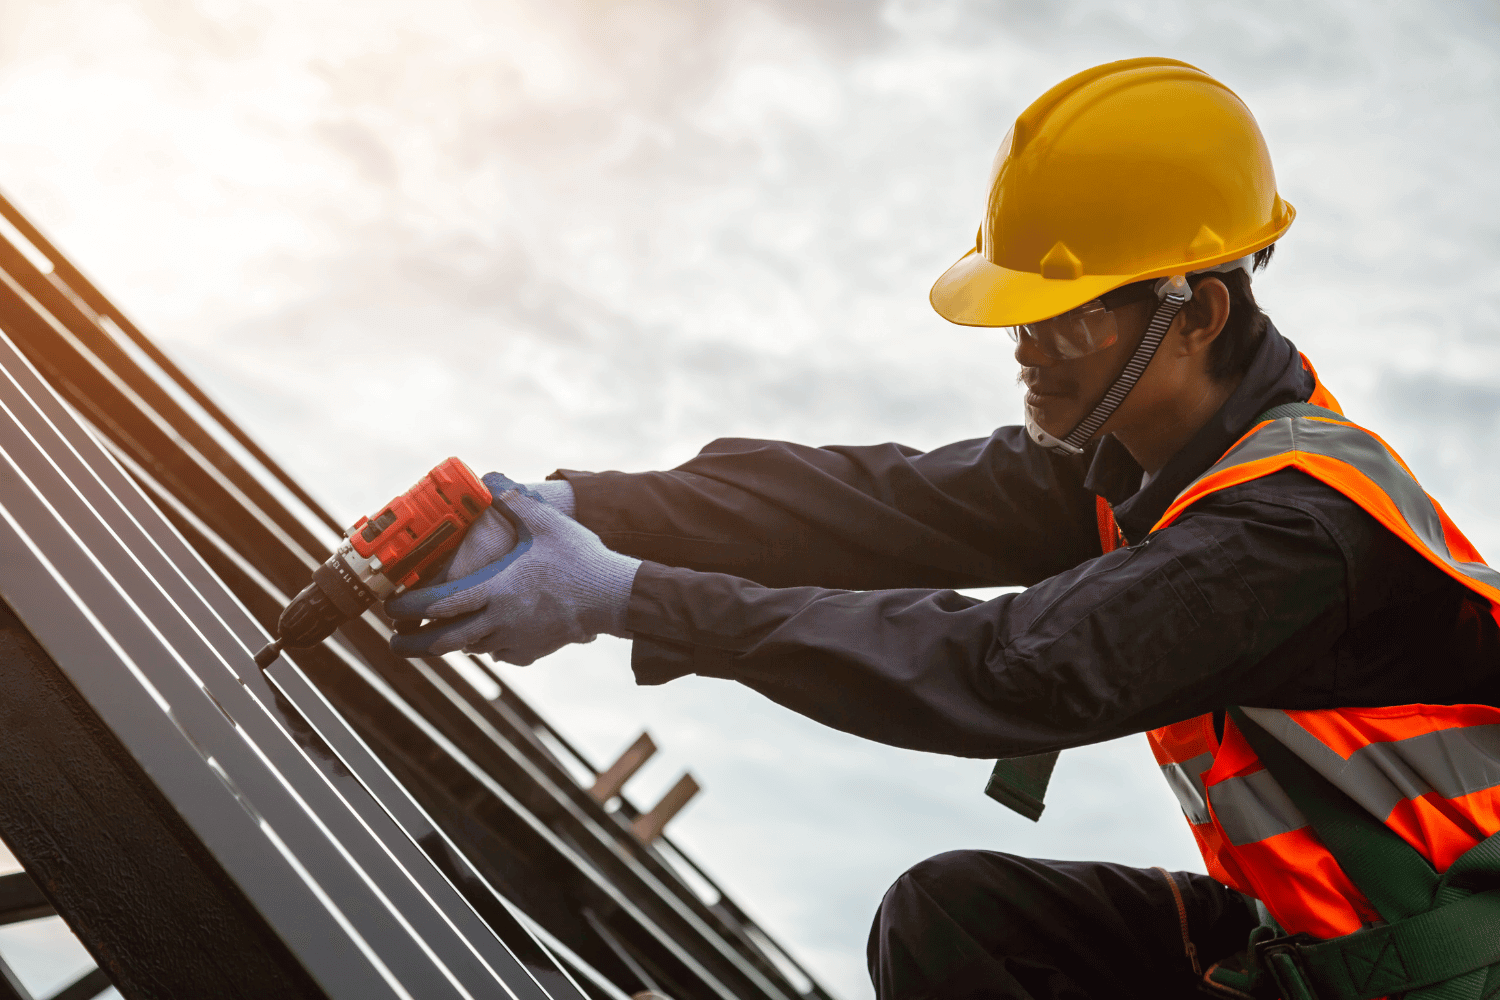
(993,511)
(1172,627)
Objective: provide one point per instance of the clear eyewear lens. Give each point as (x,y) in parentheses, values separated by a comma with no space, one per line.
(1075,334)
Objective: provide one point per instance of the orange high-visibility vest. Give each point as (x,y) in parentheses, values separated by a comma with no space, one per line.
(1431,773)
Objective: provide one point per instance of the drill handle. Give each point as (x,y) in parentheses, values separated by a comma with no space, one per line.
(498,483)
(412,606)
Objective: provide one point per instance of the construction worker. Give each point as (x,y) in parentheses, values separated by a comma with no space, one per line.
(1212,553)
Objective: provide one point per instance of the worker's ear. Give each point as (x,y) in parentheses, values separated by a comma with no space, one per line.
(1203,318)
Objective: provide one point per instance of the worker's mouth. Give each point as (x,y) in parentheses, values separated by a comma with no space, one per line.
(1039,393)
(1040,398)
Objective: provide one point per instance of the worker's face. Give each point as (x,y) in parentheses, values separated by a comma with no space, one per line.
(1060,393)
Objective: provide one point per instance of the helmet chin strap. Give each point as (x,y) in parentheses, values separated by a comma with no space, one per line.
(1173,292)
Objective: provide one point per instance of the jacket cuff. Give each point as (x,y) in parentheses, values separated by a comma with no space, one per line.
(664,646)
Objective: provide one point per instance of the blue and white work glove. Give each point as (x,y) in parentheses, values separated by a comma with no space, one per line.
(556,584)
(491,536)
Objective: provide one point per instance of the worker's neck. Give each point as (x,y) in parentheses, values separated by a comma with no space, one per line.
(1162,432)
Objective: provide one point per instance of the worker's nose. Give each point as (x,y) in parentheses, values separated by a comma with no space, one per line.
(1029,355)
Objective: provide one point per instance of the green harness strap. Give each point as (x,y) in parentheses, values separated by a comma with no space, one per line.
(1396,880)
(1020,783)
(1441,939)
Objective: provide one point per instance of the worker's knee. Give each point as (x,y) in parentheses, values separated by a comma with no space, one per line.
(955,883)
(940,875)
(943,916)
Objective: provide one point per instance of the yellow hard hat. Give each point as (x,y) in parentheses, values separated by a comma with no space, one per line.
(1136,169)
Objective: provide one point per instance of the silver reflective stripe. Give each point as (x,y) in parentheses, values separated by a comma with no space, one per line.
(1253,808)
(1186,781)
(1359,449)
(1450,762)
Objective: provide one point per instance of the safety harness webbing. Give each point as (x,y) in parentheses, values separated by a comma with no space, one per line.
(1441,935)
(1020,783)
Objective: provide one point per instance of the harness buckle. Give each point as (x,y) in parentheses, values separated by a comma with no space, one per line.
(1281,958)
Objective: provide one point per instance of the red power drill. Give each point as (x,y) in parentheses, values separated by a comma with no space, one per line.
(396,549)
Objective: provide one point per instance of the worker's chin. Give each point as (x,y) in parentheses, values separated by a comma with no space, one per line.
(1053,414)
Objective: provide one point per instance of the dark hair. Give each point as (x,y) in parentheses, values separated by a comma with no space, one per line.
(1232,351)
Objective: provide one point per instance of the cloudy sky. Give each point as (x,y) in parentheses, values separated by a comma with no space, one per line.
(599,235)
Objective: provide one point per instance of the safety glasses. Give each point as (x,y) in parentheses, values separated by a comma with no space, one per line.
(1086,330)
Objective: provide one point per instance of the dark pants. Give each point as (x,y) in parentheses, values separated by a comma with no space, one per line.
(979,925)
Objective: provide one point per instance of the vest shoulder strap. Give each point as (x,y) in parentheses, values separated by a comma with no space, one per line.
(1301,410)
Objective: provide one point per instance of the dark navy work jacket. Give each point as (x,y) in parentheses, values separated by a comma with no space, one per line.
(820,576)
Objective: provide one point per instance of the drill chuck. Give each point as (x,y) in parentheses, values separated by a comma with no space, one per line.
(333,597)
(311,617)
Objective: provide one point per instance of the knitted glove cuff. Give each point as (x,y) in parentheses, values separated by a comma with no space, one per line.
(557,493)
(604,592)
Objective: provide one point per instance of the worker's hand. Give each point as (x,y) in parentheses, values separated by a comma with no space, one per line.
(558,584)
(491,536)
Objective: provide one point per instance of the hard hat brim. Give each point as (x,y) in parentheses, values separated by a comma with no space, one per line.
(977,292)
